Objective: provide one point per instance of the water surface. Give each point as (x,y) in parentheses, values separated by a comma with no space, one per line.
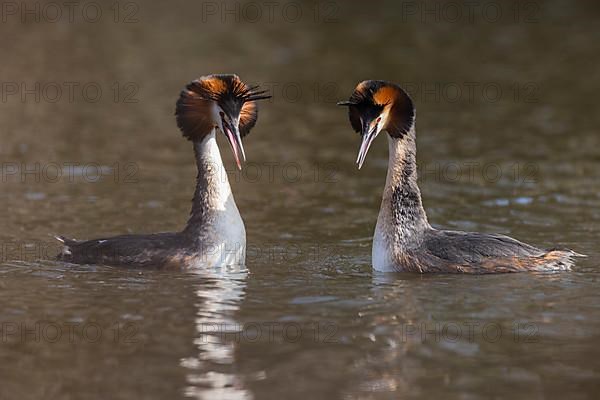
(308,318)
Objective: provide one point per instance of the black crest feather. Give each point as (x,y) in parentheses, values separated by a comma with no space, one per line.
(194,111)
(370,98)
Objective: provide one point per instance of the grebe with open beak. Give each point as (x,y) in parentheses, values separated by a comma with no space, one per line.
(403,239)
(215,233)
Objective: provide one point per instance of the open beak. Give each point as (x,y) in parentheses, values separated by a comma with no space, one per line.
(235,141)
(369,133)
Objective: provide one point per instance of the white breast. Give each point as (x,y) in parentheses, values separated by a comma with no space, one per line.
(381,253)
(226,242)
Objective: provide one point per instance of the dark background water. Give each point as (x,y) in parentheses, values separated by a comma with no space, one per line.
(508,142)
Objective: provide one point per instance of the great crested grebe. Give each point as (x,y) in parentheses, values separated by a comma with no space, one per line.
(404,240)
(215,233)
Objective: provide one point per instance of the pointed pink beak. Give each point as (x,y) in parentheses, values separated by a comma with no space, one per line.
(235,141)
(367,139)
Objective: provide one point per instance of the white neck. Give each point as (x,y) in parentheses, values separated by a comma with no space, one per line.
(214,179)
(213,200)
(402,220)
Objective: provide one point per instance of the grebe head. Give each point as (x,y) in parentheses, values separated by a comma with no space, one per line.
(379,105)
(219,101)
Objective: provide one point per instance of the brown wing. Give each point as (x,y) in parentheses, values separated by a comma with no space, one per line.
(478,253)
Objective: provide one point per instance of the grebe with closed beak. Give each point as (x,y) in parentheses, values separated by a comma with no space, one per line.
(403,239)
(215,233)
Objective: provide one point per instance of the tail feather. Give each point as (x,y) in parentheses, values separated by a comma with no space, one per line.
(66,250)
(559,260)
(549,261)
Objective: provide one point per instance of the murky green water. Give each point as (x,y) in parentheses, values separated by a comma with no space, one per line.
(508,142)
